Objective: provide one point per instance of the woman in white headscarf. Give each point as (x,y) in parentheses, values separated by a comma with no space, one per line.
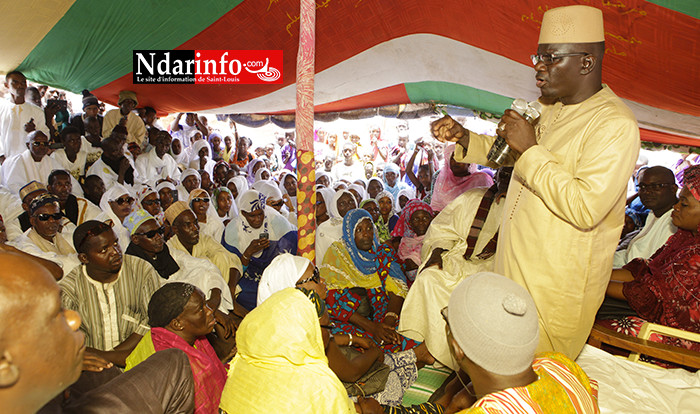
(324,198)
(323,178)
(288,187)
(253,168)
(399,202)
(117,203)
(190,179)
(181,157)
(358,191)
(273,198)
(257,235)
(331,230)
(200,158)
(238,185)
(207,217)
(263,174)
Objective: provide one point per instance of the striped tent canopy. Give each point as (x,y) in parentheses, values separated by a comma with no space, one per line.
(369,53)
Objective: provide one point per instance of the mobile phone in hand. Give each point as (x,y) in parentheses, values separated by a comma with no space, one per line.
(265,235)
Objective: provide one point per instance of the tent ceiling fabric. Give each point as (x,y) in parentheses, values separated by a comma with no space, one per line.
(369,52)
(33,19)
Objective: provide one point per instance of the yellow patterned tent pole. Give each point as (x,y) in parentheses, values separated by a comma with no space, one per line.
(306,196)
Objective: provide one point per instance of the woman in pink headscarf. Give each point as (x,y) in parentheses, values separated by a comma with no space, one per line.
(454,179)
(413,223)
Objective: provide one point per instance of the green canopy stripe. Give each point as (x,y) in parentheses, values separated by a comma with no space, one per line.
(99,37)
(688,7)
(456,94)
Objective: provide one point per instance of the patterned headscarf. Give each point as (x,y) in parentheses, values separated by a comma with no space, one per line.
(367,262)
(691,180)
(402,227)
(218,163)
(251,200)
(382,227)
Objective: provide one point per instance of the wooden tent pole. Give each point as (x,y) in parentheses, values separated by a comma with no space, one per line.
(306,195)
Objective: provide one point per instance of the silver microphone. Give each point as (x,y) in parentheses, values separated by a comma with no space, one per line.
(500,149)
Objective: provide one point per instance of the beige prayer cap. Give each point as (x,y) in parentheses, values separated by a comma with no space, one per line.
(124,95)
(572,24)
(31,187)
(174,211)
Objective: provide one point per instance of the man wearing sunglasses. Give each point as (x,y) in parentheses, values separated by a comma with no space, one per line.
(564,209)
(172,265)
(43,239)
(32,164)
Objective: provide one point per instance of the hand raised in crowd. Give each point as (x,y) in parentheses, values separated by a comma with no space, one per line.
(435,258)
(51,109)
(288,202)
(29,126)
(95,363)
(518,133)
(447,129)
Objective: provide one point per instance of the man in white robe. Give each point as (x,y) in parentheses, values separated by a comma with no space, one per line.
(76,209)
(10,209)
(44,239)
(657,191)
(113,167)
(157,163)
(32,164)
(18,117)
(564,209)
(134,124)
(445,265)
(173,265)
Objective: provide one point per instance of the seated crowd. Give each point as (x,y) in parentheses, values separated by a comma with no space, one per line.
(181,237)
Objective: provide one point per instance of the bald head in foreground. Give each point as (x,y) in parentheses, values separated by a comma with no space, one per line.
(41,347)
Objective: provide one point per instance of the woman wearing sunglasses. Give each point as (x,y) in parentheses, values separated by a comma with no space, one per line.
(207,217)
(117,203)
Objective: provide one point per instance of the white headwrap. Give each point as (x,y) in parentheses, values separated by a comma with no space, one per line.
(359,189)
(321,173)
(408,192)
(188,172)
(327,194)
(113,193)
(283,177)
(333,208)
(268,189)
(241,185)
(283,272)
(165,184)
(196,147)
(258,174)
